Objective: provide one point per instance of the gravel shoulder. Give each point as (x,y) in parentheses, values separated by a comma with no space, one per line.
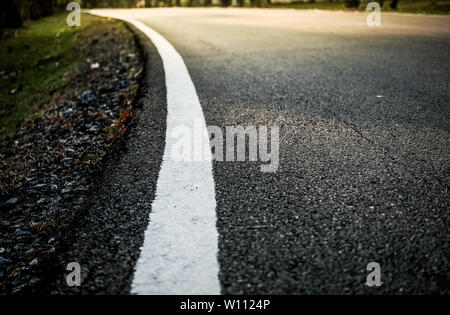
(50,166)
(109,236)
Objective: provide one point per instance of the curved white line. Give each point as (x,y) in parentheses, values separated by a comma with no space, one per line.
(179,255)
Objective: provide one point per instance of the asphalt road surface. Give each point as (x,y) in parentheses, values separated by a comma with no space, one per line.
(364,172)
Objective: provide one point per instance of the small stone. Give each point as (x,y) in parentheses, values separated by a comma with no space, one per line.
(2,250)
(66,190)
(16,210)
(4,261)
(19,232)
(12,201)
(95,65)
(36,242)
(65,159)
(34,281)
(51,240)
(87,96)
(34,262)
(18,289)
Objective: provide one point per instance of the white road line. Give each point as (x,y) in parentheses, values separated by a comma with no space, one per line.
(179,255)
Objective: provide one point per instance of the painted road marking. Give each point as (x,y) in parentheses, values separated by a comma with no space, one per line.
(179,255)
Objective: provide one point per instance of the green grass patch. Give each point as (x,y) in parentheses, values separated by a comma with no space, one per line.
(36,63)
(405,6)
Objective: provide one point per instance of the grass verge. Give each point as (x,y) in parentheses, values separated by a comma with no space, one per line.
(36,63)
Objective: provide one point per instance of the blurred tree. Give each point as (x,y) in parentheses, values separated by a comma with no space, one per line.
(394,4)
(40,8)
(10,15)
(47,6)
(259,3)
(35,10)
(15,12)
(352,3)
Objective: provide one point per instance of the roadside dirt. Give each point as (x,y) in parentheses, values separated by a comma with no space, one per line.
(50,165)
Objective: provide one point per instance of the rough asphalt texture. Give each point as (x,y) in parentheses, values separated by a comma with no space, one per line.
(364,152)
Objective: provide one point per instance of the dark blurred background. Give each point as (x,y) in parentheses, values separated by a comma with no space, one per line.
(15,12)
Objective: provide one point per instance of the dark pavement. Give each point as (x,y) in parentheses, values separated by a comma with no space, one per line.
(364,146)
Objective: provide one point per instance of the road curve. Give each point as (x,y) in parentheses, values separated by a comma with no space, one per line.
(364,171)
